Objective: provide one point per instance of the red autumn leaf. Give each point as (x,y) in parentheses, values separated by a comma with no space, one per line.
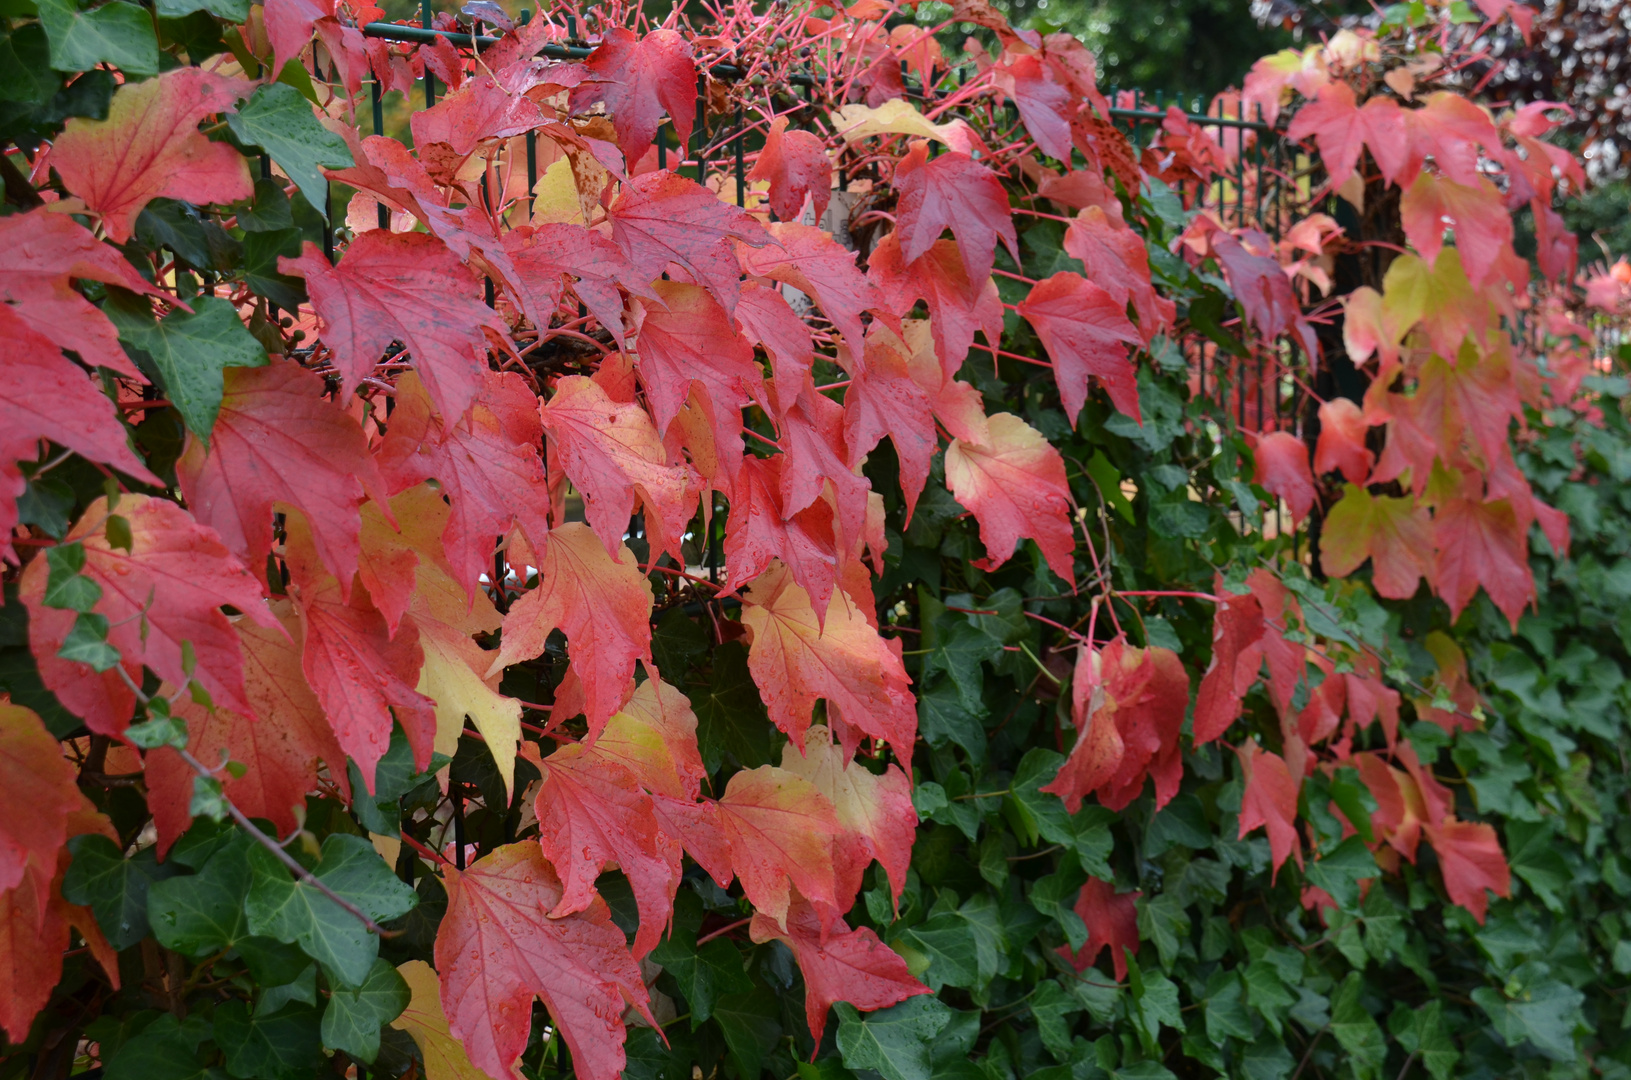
(797,659)
(486,462)
(1483,228)
(603,607)
(1452,129)
(1045,105)
(1115,259)
(690,338)
(838,964)
(1390,531)
(1112,923)
(1341,446)
(279,750)
(1282,470)
(591,812)
(1337,126)
(639,79)
(767,318)
(289,26)
(359,671)
(1481,543)
(614,456)
(1286,658)
(1400,809)
(40,795)
(1129,706)
(661,218)
(1264,291)
(813,444)
(1099,746)
(953,191)
(884,399)
(1237,657)
(957,405)
(34,936)
(756,531)
(544,257)
(654,737)
(497,949)
(780,830)
(874,809)
(796,166)
(481,109)
(40,253)
(957,306)
(810,260)
(1085,333)
(162,594)
(1270,800)
(48,396)
(278,441)
(407,288)
(150,147)
(1016,488)
(1470,857)
(1388,136)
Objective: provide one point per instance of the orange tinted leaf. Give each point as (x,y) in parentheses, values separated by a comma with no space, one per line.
(39,789)
(1116,260)
(957,306)
(279,442)
(691,339)
(150,147)
(875,808)
(408,288)
(591,812)
(486,462)
(357,669)
(1112,923)
(497,949)
(756,532)
(279,750)
(655,738)
(1482,543)
(1016,489)
(1270,800)
(612,453)
(1483,228)
(1341,446)
(838,964)
(884,399)
(603,608)
(796,659)
(780,829)
(1390,531)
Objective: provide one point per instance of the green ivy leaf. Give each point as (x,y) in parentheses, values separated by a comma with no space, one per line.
(352,1020)
(233,11)
(113,887)
(296,912)
(284,1045)
(894,1042)
(1356,1030)
(116,33)
(751,1028)
(65,587)
(280,121)
(188,351)
(703,974)
(162,1050)
(203,913)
